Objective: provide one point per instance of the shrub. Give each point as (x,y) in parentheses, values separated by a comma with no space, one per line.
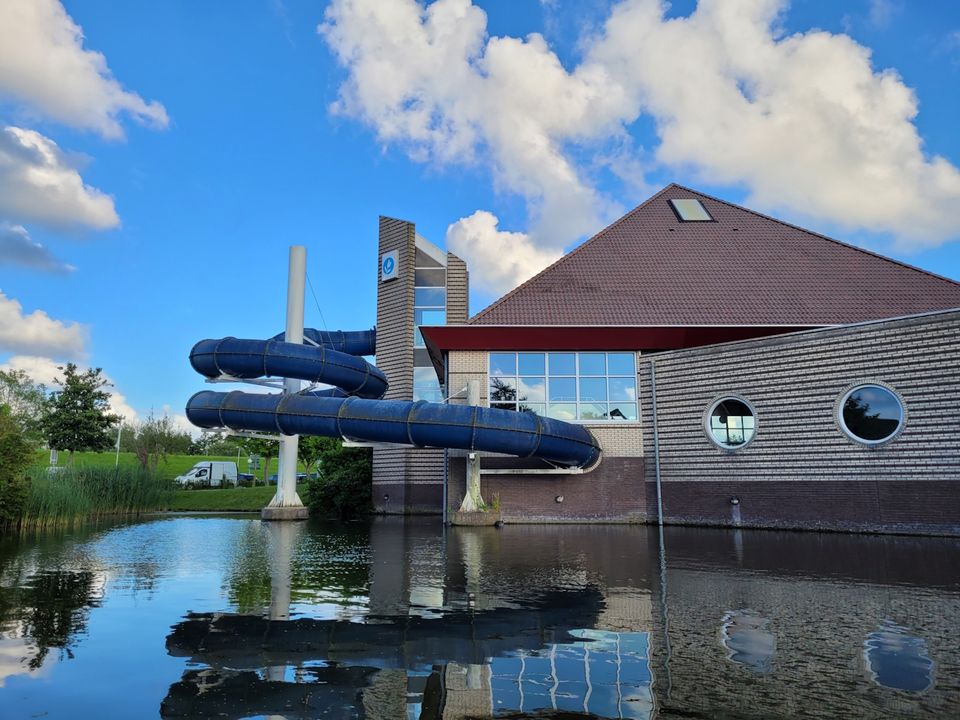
(16,453)
(343,487)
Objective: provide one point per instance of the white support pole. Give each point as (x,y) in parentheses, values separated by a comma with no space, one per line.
(472,500)
(287,472)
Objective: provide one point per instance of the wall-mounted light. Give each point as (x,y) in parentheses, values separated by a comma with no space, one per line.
(559,498)
(386,497)
(734,500)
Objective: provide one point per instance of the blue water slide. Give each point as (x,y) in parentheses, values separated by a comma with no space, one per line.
(353,410)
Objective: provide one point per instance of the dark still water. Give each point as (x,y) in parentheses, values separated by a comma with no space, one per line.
(228,617)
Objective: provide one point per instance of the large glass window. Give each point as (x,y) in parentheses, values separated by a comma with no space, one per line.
(429,308)
(731,423)
(589,386)
(871,414)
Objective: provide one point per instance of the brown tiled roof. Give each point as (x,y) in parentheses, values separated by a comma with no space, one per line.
(649,268)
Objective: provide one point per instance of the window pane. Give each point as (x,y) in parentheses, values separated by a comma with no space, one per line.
(690,210)
(592,364)
(732,423)
(434,395)
(531,364)
(621,364)
(872,413)
(563,364)
(430,297)
(532,389)
(430,317)
(504,406)
(502,389)
(424,260)
(503,363)
(593,389)
(593,411)
(563,389)
(562,411)
(417,338)
(623,389)
(623,411)
(423,376)
(421,358)
(535,408)
(430,278)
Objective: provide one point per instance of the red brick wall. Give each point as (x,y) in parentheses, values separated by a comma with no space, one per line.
(614,492)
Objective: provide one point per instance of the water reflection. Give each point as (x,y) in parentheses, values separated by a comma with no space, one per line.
(49,609)
(219,617)
(898,660)
(748,642)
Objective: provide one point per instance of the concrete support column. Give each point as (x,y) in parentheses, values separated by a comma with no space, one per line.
(286,504)
(472,500)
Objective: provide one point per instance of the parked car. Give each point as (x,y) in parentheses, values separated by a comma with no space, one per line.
(300,477)
(210,473)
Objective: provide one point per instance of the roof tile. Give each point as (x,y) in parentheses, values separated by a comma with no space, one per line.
(649,268)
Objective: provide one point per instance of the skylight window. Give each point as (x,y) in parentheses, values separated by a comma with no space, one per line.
(690,210)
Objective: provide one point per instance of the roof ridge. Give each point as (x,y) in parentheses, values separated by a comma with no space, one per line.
(814,233)
(573,252)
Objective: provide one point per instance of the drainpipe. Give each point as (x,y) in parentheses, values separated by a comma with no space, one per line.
(656,439)
(446,451)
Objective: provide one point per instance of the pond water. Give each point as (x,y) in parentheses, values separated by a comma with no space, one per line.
(228,617)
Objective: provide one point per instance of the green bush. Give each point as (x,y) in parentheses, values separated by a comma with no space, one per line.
(16,452)
(343,487)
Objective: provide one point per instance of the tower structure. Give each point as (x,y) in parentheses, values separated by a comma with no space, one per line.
(418,284)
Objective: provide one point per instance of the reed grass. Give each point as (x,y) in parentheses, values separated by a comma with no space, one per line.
(78,494)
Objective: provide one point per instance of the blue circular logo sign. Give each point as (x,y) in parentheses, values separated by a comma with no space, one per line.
(388,266)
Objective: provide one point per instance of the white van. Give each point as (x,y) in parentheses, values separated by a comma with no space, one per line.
(209,474)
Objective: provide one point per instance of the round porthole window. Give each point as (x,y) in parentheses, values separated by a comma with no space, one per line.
(731,423)
(871,414)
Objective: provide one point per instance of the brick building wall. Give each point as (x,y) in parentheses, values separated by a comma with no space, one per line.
(408,480)
(801,470)
(612,492)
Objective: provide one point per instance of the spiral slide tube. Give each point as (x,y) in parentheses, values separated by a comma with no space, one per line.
(352,410)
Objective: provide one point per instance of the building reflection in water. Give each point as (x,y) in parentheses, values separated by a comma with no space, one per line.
(582,621)
(898,660)
(449,634)
(747,640)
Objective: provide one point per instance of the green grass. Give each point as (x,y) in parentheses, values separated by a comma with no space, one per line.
(169,469)
(226,499)
(77,494)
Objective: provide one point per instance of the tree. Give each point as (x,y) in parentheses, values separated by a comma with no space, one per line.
(313,448)
(266,449)
(16,453)
(26,400)
(344,486)
(217,443)
(156,438)
(78,417)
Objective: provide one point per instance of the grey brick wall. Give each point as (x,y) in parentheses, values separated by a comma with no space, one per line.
(801,470)
(407,480)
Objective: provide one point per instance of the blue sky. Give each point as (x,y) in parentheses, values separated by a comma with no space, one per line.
(225,132)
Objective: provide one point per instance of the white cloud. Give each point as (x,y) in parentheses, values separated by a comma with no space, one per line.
(499,260)
(38,184)
(881,12)
(38,333)
(803,121)
(430,80)
(46,370)
(18,248)
(44,65)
